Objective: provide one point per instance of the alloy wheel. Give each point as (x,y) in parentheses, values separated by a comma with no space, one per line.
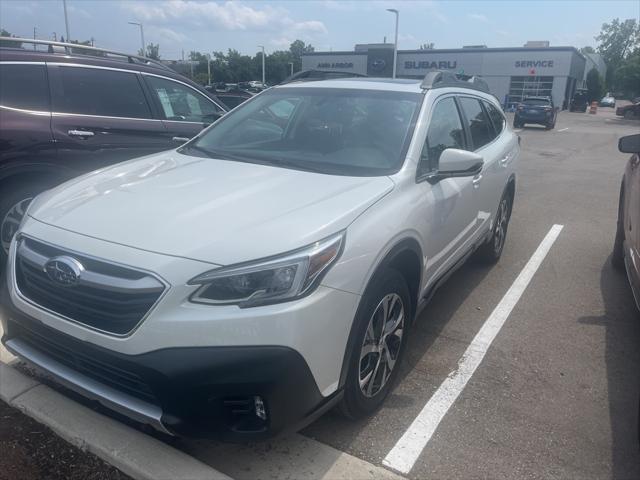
(501,226)
(11,222)
(381,345)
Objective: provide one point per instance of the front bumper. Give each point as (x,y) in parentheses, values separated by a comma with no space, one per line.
(199,391)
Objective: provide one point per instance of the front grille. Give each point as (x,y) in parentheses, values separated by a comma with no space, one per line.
(107,297)
(105,373)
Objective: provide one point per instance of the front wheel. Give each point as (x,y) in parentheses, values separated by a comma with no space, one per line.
(14,201)
(380,337)
(491,251)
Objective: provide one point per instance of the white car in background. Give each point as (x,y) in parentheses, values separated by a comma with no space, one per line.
(271,267)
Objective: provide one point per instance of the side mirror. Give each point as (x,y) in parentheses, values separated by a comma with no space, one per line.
(459,163)
(629,144)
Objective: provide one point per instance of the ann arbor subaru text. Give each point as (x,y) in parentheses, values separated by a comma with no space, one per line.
(271,268)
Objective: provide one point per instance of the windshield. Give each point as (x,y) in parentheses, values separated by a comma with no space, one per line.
(325,130)
(536,101)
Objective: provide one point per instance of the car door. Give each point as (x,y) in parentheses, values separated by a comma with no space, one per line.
(184,110)
(101,116)
(633,222)
(450,207)
(490,184)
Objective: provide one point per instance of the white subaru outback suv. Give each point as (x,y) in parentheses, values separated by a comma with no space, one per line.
(271,267)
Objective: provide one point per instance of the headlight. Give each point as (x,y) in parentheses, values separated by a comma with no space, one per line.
(271,280)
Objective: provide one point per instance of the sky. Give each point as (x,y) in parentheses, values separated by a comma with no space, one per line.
(207,26)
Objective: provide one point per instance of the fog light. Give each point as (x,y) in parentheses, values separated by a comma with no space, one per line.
(261,412)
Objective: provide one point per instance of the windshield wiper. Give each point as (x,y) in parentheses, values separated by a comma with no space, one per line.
(215,154)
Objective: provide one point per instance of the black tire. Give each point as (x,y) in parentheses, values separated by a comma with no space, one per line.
(617,256)
(491,251)
(517,124)
(14,200)
(355,403)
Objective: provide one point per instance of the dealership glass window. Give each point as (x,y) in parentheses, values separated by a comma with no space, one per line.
(94,91)
(531,85)
(445,131)
(479,125)
(24,86)
(183,103)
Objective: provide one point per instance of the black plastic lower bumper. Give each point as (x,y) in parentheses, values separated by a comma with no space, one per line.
(202,391)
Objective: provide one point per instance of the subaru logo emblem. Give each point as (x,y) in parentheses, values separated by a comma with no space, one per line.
(64,271)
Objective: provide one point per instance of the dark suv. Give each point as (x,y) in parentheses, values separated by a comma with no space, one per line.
(69,109)
(538,110)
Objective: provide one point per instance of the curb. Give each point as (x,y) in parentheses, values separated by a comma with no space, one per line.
(134,453)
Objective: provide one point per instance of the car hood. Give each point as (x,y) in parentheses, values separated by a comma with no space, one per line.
(217,211)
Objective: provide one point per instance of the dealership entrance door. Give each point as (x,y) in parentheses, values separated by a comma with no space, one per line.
(529,86)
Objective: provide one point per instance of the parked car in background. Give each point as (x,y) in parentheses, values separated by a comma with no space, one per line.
(270,268)
(608,101)
(72,109)
(630,111)
(232,98)
(579,102)
(536,110)
(626,250)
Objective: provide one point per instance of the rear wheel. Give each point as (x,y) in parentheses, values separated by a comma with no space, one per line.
(381,332)
(14,201)
(491,251)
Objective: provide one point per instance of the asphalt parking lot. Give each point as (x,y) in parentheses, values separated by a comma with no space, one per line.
(556,394)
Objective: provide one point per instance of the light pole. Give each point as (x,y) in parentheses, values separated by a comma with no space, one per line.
(144,48)
(262,47)
(395,45)
(291,65)
(66,20)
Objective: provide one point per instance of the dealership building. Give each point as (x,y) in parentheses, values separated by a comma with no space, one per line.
(512,73)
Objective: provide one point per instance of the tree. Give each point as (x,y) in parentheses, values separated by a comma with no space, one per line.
(587,49)
(615,42)
(628,75)
(8,43)
(153,51)
(297,49)
(594,85)
(428,46)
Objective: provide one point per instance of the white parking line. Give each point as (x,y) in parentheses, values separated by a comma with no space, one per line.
(563,129)
(406,451)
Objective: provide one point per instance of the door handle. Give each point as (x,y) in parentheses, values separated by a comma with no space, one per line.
(476,180)
(180,139)
(80,133)
(504,161)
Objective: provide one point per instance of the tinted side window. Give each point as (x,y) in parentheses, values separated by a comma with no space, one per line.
(445,131)
(24,86)
(496,118)
(479,126)
(108,93)
(183,103)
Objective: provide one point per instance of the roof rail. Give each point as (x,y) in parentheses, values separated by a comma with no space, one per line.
(443,78)
(72,49)
(315,75)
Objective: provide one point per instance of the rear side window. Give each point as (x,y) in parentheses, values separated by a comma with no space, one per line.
(477,121)
(106,93)
(24,86)
(496,118)
(445,131)
(182,103)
